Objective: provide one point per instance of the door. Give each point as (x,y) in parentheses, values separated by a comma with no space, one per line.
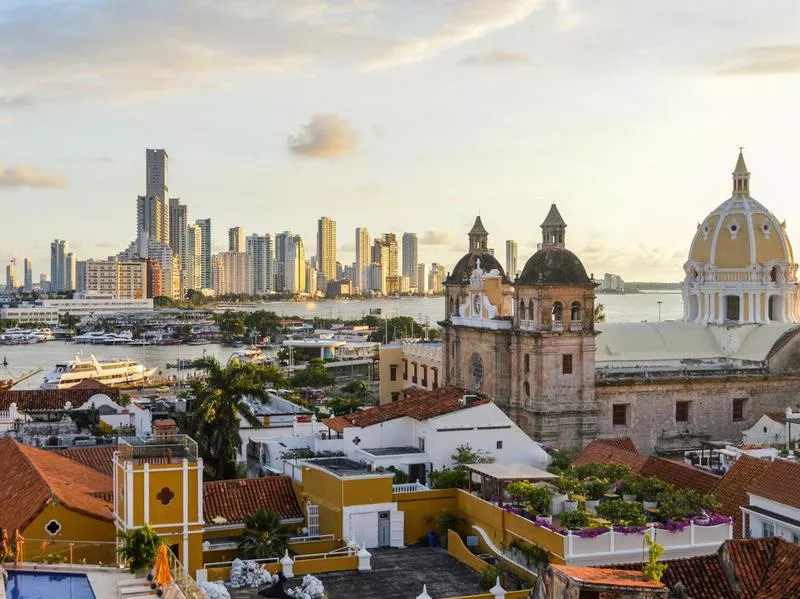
(384,529)
(364,529)
(397,529)
(416,472)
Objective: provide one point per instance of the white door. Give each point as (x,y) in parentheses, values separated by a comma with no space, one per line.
(364,529)
(397,529)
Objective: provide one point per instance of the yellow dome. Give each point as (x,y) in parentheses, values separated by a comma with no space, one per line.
(740,233)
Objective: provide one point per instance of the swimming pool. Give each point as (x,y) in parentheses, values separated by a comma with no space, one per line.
(48,585)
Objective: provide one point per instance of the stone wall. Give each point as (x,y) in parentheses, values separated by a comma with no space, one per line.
(651,408)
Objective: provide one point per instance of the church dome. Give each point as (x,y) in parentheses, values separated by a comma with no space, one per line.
(554,265)
(740,233)
(469,262)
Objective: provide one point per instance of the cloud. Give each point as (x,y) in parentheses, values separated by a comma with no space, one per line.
(765,60)
(437,237)
(348,248)
(498,58)
(17,101)
(641,262)
(567,18)
(325,136)
(28,175)
(464,22)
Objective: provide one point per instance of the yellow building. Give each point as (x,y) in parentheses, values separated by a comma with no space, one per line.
(405,365)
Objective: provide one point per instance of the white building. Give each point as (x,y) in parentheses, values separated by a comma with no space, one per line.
(415,435)
(362,259)
(47,311)
(511,258)
(773,428)
(116,416)
(774,503)
(262,255)
(231,273)
(410,261)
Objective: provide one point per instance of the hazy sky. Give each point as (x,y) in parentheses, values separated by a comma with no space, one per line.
(399,116)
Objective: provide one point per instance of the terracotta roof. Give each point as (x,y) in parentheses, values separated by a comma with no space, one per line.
(730,491)
(703,577)
(611,577)
(611,451)
(97,457)
(32,476)
(679,474)
(234,500)
(780,482)
(51,400)
(419,407)
(779,417)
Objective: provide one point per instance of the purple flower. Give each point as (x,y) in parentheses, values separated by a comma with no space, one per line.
(590,533)
(630,530)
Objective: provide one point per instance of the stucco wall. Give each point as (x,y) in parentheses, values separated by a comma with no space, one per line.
(84,530)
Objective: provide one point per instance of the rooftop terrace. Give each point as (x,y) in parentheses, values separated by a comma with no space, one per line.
(163,449)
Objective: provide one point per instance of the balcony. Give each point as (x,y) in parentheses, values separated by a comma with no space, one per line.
(558,325)
(167,449)
(575,325)
(528,325)
(409,488)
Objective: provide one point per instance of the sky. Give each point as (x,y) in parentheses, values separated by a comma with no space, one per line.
(412,115)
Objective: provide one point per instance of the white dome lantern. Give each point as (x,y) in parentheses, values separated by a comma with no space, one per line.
(741,267)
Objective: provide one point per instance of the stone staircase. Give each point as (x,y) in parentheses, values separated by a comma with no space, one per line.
(139,588)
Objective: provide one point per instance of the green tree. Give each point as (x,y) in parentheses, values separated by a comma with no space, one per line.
(464,454)
(262,323)
(217,401)
(68,320)
(599,314)
(313,375)
(653,570)
(231,325)
(263,536)
(139,547)
(449,479)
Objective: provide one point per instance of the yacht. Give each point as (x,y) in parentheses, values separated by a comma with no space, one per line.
(253,356)
(93,337)
(109,372)
(123,338)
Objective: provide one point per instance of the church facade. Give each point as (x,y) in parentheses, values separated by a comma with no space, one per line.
(532,344)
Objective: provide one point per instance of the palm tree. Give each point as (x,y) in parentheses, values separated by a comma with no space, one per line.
(217,403)
(599,313)
(263,536)
(139,547)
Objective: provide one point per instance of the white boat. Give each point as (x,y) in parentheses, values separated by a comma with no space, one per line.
(253,356)
(93,337)
(118,338)
(109,372)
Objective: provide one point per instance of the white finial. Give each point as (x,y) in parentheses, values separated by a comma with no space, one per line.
(478,263)
(498,591)
(424,594)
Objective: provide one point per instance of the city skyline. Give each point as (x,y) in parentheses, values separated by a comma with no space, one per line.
(545,123)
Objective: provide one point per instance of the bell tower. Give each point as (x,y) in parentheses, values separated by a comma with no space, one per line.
(554,229)
(741,177)
(478,237)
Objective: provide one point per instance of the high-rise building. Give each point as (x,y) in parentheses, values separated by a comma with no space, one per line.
(295,265)
(70,264)
(384,252)
(374,280)
(156,184)
(511,259)
(231,273)
(362,259)
(58,265)
(312,275)
(283,242)
(169,264)
(152,218)
(262,256)
(28,271)
(436,279)
(410,258)
(192,269)
(44,283)
(11,276)
(177,229)
(205,252)
(422,278)
(116,279)
(326,248)
(236,242)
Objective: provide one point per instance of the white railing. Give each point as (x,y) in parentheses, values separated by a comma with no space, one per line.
(528,325)
(558,325)
(310,539)
(409,487)
(575,325)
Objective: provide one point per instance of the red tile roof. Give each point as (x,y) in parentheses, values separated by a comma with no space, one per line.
(780,482)
(610,577)
(779,417)
(611,451)
(51,400)
(97,457)
(419,407)
(679,474)
(31,476)
(703,577)
(731,490)
(235,500)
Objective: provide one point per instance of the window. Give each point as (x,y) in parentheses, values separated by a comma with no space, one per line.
(682,411)
(522,310)
(395,395)
(499,445)
(768,529)
(795,538)
(421,443)
(526,389)
(393,372)
(414,375)
(557,312)
(619,414)
(435,377)
(575,311)
(405,370)
(424,375)
(53,527)
(732,308)
(738,409)
(165,496)
(527,363)
(566,364)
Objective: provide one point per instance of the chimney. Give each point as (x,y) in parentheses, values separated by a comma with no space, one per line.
(164,430)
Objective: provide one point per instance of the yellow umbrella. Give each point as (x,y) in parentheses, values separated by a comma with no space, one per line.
(161,574)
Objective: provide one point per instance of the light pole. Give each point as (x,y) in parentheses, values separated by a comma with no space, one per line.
(659,310)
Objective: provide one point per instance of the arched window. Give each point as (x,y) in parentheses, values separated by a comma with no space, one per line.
(558,312)
(530,310)
(522,309)
(527,362)
(526,389)
(773,274)
(575,312)
(451,311)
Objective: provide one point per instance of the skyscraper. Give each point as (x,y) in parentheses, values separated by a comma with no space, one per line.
(236,242)
(422,278)
(192,268)
(389,262)
(410,258)
(295,265)
(58,265)
(326,248)
(232,273)
(205,252)
(177,229)
(511,259)
(157,174)
(70,265)
(262,255)
(28,268)
(362,259)
(152,209)
(11,276)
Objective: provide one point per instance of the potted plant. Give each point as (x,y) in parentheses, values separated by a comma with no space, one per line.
(594,489)
(650,489)
(447,520)
(568,487)
(575,520)
(518,492)
(630,487)
(539,499)
(139,548)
